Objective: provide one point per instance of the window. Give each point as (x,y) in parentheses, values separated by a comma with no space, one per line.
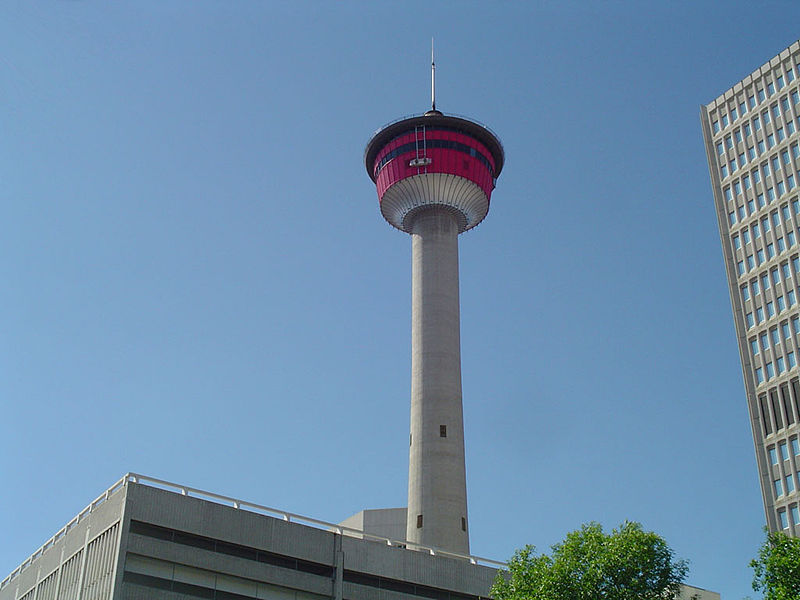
(746,178)
(751,152)
(789,484)
(443,431)
(756,231)
(796,324)
(728,141)
(737,243)
(796,97)
(745,293)
(776,218)
(796,206)
(776,164)
(737,187)
(734,114)
(781,188)
(751,207)
(781,304)
(795,515)
(795,447)
(784,450)
(773,333)
(770,140)
(754,347)
(737,135)
(779,363)
(783,518)
(780,82)
(776,111)
(759,375)
(761,147)
(751,263)
(764,341)
(770,311)
(746,236)
(765,168)
(790,75)
(785,330)
(720,149)
(760,197)
(760,256)
(770,370)
(790,181)
(743,106)
(724,121)
(771,250)
(751,100)
(724,170)
(779,492)
(756,291)
(740,267)
(785,157)
(791,360)
(785,212)
(790,297)
(773,456)
(781,134)
(756,176)
(759,315)
(765,281)
(749,319)
(756,124)
(786,272)
(790,127)
(770,194)
(785,104)
(770,88)
(781,245)
(733,165)
(766,117)
(761,95)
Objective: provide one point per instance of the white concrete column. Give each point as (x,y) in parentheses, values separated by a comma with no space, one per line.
(437,491)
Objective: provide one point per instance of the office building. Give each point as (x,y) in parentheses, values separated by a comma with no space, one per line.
(752,139)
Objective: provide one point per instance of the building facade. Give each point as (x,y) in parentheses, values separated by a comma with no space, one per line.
(752,140)
(147,539)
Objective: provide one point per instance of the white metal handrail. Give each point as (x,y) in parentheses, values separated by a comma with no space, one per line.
(240,505)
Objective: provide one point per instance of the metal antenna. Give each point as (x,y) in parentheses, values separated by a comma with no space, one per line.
(433,79)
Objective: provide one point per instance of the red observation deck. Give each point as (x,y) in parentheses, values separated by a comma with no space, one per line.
(434,160)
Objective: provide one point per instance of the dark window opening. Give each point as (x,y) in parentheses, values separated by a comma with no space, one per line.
(776,409)
(463,524)
(442,430)
(419,521)
(787,404)
(765,423)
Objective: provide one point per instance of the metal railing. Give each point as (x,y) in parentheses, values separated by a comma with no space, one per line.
(239,505)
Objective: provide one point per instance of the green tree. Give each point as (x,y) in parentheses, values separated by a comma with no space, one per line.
(777,568)
(627,564)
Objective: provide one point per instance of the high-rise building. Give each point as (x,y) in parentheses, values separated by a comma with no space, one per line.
(752,139)
(435,175)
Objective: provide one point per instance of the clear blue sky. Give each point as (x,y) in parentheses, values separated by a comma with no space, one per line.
(196,282)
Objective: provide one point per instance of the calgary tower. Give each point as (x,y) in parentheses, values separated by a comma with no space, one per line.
(435,174)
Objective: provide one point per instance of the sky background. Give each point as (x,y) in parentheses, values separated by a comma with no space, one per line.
(196,282)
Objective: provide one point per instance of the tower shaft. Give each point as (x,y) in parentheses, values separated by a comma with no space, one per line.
(437,495)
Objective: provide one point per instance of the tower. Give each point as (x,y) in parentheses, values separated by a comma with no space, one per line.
(752,140)
(435,175)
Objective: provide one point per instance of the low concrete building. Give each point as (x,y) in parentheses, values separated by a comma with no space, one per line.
(146,539)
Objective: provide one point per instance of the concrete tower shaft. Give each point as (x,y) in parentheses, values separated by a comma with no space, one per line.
(435,175)
(437,489)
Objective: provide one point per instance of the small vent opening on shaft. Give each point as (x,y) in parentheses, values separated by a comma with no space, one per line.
(442,430)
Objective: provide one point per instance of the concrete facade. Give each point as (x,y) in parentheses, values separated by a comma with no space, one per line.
(147,539)
(144,542)
(752,141)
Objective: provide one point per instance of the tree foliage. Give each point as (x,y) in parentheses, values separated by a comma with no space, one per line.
(627,564)
(777,568)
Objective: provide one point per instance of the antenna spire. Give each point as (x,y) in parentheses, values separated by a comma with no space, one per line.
(433,79)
